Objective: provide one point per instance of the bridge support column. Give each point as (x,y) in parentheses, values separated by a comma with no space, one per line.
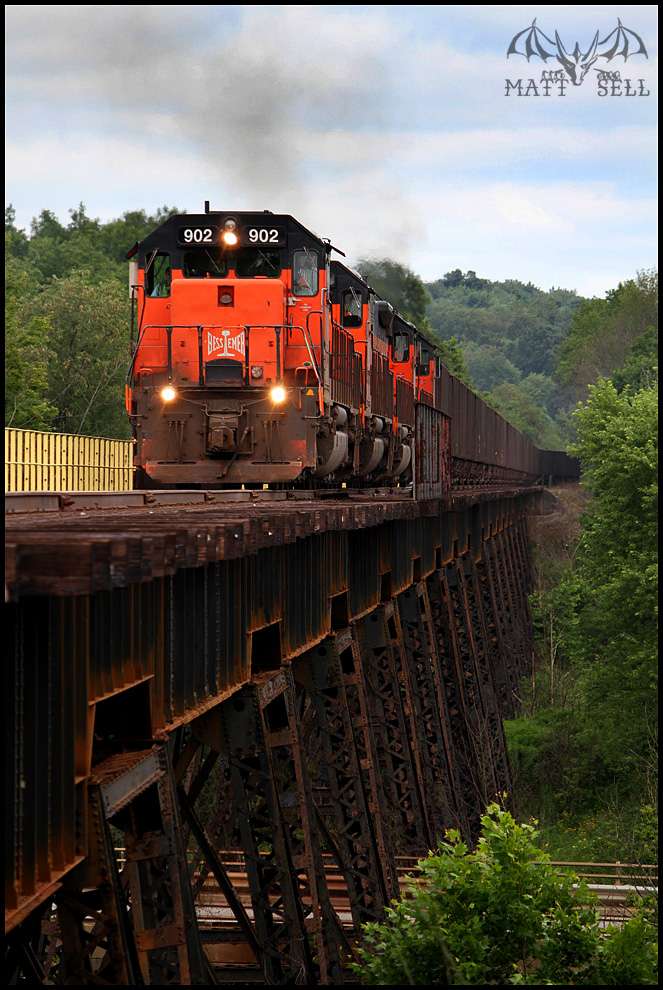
(257,731)
(430,728)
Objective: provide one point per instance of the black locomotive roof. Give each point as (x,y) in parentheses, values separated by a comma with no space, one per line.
(166,233)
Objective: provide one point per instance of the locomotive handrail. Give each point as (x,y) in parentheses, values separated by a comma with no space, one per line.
(134,298)
(149,326)
(309,343)
(276,327)
(320,312)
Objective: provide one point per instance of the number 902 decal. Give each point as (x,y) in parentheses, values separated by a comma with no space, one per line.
(198,235)
(265,235)
(205,236)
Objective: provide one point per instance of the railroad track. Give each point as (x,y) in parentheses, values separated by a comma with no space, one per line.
(226,947)
(71,501)
(230,955)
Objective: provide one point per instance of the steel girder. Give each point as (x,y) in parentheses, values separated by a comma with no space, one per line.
(368,723)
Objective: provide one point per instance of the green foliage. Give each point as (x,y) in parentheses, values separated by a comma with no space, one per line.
(453,358)
(544,739)
(489,366)
(509,333)
(66,319)
(523,322)
(520,409)
(618,448)
(629,957)
(501,915)
(399,285)
(587,746)
(85,244)
(615,334)
(27,355)
(88,346)
(625,833)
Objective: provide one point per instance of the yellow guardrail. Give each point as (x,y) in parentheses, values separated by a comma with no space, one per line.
(62,462)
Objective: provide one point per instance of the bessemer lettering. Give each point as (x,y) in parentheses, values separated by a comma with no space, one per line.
(225,343)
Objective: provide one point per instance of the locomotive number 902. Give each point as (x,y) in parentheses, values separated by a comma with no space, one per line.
(198,235)
(257,358)
(265,235)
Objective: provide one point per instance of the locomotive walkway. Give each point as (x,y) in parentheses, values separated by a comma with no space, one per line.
(308,681)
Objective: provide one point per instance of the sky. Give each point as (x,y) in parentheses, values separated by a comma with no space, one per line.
(390,130)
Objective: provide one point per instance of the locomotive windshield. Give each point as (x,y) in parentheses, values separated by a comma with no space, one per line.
(252,262)
(351,308)
(201,264)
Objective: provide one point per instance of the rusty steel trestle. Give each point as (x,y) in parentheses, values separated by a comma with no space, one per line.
(266,828)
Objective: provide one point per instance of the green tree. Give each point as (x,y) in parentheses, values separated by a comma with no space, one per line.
(513,402)
(16,241)
(607,334)
(88,342)
(27,353)
(489,366)
(501,914)
(453,358)
(618,448)
(85,244)
(591,743)
(398,285)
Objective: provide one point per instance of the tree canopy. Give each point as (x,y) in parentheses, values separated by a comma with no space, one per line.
(618,332)
(589,744)
(399,285)
(66,320)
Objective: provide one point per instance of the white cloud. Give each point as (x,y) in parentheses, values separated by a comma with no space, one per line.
(383,128)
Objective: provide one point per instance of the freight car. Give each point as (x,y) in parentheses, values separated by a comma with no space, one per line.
(258,358)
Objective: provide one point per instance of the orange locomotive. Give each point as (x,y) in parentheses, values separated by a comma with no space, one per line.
(257,358)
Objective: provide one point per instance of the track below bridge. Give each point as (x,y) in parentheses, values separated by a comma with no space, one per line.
(306,681)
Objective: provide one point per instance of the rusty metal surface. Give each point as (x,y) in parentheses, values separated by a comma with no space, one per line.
(335,672)
(82,550)
(432,453)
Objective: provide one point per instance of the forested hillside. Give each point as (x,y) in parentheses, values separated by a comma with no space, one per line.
(510,333)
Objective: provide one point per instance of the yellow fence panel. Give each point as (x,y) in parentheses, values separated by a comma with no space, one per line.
(61,462)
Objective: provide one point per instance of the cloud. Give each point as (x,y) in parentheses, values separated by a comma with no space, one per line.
(386,129)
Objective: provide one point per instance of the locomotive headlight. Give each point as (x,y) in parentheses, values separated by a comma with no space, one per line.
(229,235)
(277,394)
(168,393)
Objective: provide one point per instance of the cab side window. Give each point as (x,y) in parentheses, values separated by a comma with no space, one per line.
(351,308)
(424,360)
(305,273)
(157,274)
(400,348)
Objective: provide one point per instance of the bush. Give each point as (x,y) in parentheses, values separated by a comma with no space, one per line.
(501,915)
